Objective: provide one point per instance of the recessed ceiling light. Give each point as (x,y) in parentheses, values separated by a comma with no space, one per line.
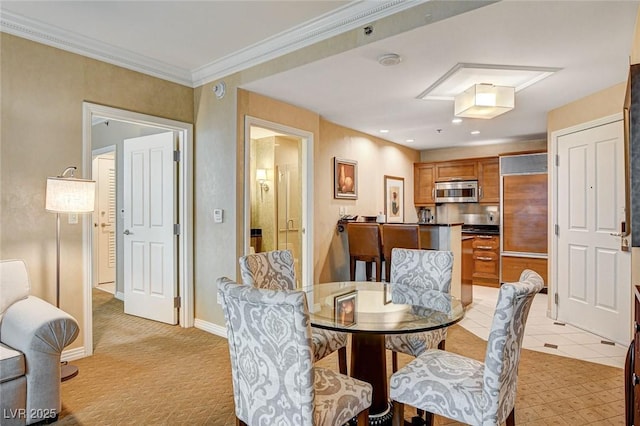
(475,132)
(456,120)
(410,140)
(384,130)
(389,59)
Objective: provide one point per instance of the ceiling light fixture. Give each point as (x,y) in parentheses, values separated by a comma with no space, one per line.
(410,140)
(384,131)
(484,101)
(389,59)
(475,132)
(456,120)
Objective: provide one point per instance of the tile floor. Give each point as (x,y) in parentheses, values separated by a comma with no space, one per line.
(542,333)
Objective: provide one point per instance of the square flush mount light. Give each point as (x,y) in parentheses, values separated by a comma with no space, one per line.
(484,101)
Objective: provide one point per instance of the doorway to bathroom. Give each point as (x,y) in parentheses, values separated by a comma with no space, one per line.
(278,199)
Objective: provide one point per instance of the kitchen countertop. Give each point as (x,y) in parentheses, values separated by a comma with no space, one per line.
(441,224)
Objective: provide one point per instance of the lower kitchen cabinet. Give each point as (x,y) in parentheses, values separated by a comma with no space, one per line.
(486,260)
(512,267)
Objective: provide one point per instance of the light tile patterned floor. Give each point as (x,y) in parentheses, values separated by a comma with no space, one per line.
(540,330)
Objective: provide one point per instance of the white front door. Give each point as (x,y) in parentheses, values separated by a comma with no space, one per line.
(150,283)
(594,274)
(106,218)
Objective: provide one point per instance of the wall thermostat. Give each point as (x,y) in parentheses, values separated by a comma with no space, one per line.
(217,215)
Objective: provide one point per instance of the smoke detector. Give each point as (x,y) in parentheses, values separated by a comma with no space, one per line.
(389,59)
(220,89)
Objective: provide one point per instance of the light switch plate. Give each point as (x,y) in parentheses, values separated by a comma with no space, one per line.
(73,218)
(217,215)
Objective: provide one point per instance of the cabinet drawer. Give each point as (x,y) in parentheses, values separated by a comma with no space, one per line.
(481,242)
(513,266)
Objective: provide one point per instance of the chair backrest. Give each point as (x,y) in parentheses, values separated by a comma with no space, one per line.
(271,270)
(14,283)
(269,340)
(416,274)
(399,236)
(504,344)
(364,239)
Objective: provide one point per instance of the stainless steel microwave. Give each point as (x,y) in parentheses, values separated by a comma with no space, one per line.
(457,192)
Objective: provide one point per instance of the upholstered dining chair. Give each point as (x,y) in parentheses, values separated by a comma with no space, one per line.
(396,235)
(465,389)
(273,375)
(416,275)
(274,270)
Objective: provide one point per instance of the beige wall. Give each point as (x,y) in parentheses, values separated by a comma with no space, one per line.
(457,153)
(597,105)
(635,48)
(42,93)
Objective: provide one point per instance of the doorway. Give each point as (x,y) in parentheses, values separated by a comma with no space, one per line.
(120,124)
(278,213)
(591,267)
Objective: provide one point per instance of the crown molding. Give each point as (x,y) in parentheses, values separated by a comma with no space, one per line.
(328,25)
(49,35)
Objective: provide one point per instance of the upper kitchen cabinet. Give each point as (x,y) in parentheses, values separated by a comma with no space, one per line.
(423,188)
(489,180)
(456,170)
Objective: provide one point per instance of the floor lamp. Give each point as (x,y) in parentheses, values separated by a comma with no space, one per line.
(66,194)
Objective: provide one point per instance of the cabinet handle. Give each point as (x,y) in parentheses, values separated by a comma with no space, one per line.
(481,193)
(433,193)
(483,258)
(484,237)
(485,247)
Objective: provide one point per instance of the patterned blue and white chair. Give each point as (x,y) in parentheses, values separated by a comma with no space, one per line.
(465,389)
(418,275)
(274,270)
(274,378)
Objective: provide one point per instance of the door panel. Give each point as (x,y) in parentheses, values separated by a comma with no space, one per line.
(106,220)
(150,245)
(593,272)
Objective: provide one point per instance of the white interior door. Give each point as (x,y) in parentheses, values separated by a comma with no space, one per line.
(593,272)
(106,219)
(150,283)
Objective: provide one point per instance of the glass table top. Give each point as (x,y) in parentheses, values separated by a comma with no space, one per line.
(373,307)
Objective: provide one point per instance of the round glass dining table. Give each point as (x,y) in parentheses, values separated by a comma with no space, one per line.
(370,310)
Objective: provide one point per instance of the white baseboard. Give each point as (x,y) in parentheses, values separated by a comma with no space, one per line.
(71,354)
(119,295)
(210,327)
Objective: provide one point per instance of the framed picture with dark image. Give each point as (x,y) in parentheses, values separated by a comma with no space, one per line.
(345,308)
(345,178)
(394,199)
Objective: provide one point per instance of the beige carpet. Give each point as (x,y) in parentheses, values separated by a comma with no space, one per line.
(147,373)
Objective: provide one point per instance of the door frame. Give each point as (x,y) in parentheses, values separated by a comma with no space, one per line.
(307,190)
(552,309)
(94,261)
(185,210)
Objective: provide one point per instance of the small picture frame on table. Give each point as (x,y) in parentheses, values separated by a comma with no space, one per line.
(345,308)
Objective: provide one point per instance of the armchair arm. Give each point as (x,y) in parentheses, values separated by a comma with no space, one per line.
(40,331)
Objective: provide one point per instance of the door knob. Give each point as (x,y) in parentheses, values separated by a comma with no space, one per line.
(127,232)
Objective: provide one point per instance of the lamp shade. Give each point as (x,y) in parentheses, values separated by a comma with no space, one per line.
(261,175)
(70,195)
(484,101)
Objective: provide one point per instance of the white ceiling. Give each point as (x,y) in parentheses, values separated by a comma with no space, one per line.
(197,42)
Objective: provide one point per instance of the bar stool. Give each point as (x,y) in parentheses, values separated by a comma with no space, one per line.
(398,236)
(365,244)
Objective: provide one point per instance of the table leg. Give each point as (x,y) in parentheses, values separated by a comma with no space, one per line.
(368,363)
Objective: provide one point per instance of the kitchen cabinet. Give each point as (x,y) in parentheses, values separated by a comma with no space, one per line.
(524,213)
(423,188)
(486,260)
(489,180)
(467,269)
(456,170)
(512,267)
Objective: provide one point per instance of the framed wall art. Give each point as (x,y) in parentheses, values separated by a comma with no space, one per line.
(394,199)
(345,178)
